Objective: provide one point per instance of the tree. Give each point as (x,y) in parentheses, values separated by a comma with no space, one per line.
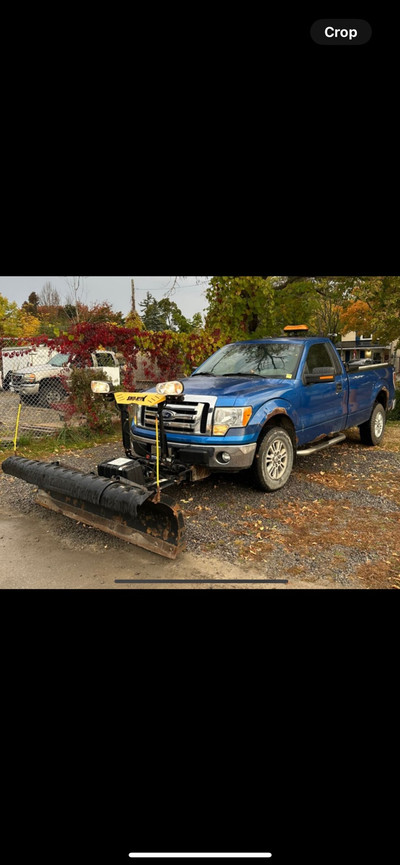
(31,305)
(255,306)
(9,317)
(240,306)
(76,288)
(16,322)
(381,296)
(29,325)
(133,320)
(97,312)
(356,316)
(150,314)
(164,314)
(49,295)
(196,323)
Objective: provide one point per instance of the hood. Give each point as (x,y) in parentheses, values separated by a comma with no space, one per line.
(236,387)
(25,370)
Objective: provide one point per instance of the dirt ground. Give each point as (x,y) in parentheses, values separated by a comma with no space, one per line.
(336,524)
(33,557)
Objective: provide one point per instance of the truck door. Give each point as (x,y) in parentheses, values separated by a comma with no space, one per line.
(108,363)
(323,404)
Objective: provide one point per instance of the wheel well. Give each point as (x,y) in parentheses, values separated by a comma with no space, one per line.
(53,381)
(382,398)
(281,420)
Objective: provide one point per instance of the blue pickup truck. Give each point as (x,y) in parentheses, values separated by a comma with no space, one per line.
(260,403)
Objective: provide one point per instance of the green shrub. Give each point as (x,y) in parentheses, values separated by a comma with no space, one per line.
(99,412)
(395,414)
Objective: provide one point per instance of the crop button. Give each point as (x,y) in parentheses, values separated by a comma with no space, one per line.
(341,31)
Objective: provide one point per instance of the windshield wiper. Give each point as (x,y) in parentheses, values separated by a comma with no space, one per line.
(242,373)
(201,373)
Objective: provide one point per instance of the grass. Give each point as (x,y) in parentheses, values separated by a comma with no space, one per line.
(68,438)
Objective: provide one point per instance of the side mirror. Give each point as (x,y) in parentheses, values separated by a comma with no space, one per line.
(320,374)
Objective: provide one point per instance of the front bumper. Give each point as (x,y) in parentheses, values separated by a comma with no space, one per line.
(26,389)
(241,456)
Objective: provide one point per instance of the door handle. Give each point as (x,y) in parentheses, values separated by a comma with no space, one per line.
(339,387)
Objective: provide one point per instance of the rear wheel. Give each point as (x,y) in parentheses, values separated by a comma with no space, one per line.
(371,432)
(273,462)
(51,393)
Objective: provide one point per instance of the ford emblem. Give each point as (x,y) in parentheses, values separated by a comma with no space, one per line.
(168,415)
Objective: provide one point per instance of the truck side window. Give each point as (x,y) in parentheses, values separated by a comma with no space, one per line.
(318,355)
(105,359)
(335,360)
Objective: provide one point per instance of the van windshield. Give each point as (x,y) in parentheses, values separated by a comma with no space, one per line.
(268,359)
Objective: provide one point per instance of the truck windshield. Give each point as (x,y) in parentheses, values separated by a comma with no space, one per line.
(269,360)
(59,359)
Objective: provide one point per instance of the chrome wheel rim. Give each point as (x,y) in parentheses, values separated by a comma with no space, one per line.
(53,396)
(378,426)
(276,459)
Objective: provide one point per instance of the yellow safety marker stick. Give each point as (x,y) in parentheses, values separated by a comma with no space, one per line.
(16,427)
(157,457)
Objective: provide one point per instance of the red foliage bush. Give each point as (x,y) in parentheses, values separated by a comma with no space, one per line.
(175,354)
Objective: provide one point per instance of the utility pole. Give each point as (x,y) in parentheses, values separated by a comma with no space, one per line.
(133,295)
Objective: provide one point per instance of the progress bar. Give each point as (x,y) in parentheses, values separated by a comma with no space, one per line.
(200,855)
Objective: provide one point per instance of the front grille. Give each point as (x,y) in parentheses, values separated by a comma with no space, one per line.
(192,418)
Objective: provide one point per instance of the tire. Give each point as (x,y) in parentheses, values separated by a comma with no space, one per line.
(371,432)
(50,393)
(274,459)
(7,381)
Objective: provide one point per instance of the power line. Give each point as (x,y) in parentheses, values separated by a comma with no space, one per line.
(180,288)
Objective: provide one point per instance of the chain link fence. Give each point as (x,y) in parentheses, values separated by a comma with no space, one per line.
(31,391)
(34,393)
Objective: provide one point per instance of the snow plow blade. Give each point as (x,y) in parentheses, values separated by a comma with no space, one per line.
(127,510)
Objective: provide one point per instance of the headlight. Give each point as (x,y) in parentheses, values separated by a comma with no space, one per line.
(226,418)
(169,387)
(29,376)
(100,386)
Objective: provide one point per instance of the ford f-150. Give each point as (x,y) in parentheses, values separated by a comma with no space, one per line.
(260,403)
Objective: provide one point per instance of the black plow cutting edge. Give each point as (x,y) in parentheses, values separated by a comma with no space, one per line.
(127,511)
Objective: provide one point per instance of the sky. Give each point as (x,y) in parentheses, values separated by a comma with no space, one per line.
(188,296)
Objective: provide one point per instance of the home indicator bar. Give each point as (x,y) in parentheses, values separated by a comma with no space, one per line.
(200,855)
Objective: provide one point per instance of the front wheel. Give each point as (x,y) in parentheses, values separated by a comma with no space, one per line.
(7,381)
(51,393)
(371,432)
(273,462)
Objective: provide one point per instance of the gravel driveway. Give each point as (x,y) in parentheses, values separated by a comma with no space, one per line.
(336,524)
